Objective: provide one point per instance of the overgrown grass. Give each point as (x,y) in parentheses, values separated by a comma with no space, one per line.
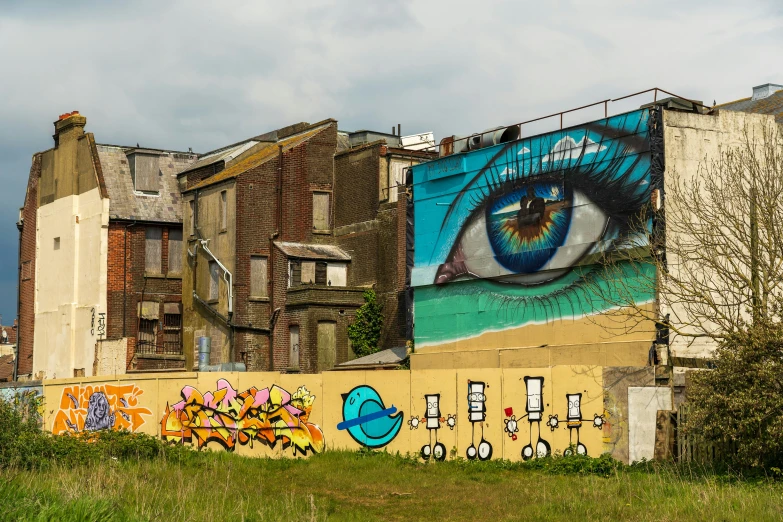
(118,476)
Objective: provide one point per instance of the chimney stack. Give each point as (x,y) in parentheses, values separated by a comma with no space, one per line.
(765,91)
(68,126)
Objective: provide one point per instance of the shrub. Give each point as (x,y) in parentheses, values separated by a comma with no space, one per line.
(365,332)
(741,400)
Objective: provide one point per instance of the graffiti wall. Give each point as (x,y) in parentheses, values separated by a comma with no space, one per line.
(510,237)
(100,406)
(477,414)
(28,399)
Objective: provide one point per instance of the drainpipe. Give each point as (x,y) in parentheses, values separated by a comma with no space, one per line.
(204,349)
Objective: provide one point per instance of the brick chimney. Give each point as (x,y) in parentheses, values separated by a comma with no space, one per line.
(68,127)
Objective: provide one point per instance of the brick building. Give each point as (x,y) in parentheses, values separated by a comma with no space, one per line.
(284,232)
(100,251)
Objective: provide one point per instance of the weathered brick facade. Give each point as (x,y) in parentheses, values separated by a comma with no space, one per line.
(27,245)
(129,285)
(273,185)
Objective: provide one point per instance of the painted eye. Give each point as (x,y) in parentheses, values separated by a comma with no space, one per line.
(531,234)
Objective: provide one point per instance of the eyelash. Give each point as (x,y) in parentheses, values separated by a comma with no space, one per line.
(617,195)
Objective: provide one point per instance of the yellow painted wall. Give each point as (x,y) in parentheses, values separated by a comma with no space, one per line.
(141,402)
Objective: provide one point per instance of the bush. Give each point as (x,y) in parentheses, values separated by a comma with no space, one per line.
(365,332)
(740,402)
(24,445)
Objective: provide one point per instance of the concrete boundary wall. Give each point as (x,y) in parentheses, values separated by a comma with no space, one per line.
(480,413)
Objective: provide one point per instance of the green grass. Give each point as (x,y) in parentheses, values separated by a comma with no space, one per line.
(337,485)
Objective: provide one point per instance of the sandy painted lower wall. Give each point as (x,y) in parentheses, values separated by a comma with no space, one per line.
(479,414)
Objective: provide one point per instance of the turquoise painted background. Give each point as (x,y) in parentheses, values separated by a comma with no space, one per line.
(505,235)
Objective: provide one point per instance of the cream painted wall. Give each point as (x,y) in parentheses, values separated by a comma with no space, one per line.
(70,283)
(690,141)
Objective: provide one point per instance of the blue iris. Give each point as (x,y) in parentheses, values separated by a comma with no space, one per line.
(526,227)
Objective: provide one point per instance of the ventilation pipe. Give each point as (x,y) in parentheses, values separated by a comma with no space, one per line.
(456,144)
(204,350)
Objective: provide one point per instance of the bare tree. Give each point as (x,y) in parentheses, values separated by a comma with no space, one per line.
(709,247)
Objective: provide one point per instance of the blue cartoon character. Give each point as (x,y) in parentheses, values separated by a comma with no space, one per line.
(366,418)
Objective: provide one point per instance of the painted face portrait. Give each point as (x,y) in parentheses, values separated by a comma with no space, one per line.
(509,235)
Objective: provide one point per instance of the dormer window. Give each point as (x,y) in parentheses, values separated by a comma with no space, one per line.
(145,172)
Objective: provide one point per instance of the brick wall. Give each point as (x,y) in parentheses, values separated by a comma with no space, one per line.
(356,184)
(27,260)
(128,285)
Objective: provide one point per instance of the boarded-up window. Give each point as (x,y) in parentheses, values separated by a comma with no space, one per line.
(321,211)
(27,270)
(293,354)
(258,276)
(175,251)
(152,250)
(320,273)
(327,345)
(214,280)
(396,178)
(145,172)
(308,272)
(223,211)
(336,274)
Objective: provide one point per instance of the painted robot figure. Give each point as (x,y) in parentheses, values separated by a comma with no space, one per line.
(574,423)
(433,420)
(535,408)
(477,413)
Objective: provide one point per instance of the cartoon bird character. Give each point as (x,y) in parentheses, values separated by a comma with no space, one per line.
(366,418)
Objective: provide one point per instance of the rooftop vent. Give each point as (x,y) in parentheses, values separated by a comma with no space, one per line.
(764,91)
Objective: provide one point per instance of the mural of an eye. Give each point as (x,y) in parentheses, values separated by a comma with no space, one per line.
(515,234)
(528,235)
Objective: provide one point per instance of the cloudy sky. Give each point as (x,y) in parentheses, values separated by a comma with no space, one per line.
(201,74)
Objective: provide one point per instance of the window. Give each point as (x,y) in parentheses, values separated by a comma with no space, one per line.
(172,328)
(223,211)
(396,178)
(192,218)
(293,355)
(214,281)
(316,273)
(152,250)
(57,243)
(27,269)
(321,211)
(145,173)
(146,343)
(258,276)
(336,274)
(175,251)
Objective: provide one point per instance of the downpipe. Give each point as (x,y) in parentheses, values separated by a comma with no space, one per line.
(204,350)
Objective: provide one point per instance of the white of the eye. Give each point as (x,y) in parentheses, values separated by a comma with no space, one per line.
(588,223)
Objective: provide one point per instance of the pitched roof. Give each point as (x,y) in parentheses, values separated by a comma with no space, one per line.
(225,154)
(313,251)
(772,104)
(265,151)
(125,202)
(384,359)
(6,368)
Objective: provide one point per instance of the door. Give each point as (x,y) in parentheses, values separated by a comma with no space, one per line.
(293,354)
(327,345)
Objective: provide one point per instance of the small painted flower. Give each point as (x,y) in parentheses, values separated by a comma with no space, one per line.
(553,422)
(414,422)
(451,421)
(511,426)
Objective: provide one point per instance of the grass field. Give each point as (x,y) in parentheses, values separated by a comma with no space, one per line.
(359,486)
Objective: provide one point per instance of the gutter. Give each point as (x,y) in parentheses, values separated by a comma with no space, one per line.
(19,225)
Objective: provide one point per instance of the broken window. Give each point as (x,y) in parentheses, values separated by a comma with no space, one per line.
(223,211)
(172,329)
(214,281)
(146,343)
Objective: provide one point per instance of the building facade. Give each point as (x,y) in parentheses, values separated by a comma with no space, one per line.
(510,237)
(90,211)
(284,233)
